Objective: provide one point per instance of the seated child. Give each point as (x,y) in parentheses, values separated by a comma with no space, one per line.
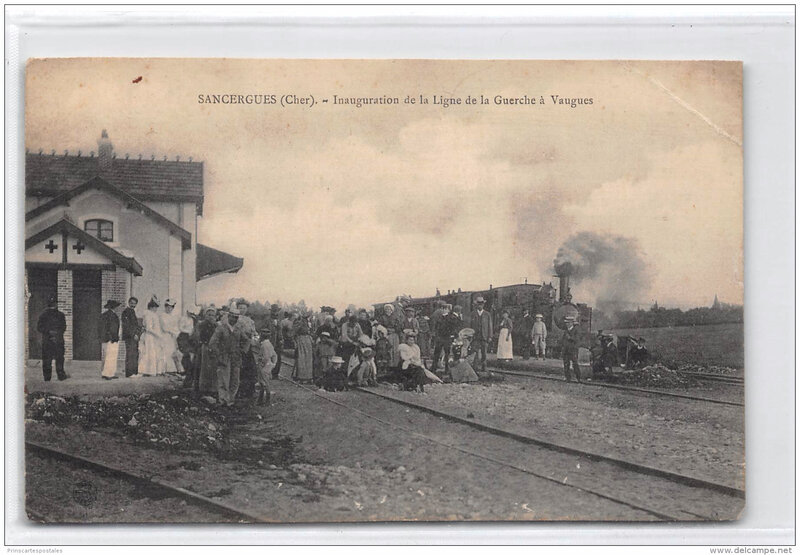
(367,373)
(335,377)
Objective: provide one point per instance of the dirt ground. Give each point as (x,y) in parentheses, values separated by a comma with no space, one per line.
(304,459)
(69,494)
(703,440)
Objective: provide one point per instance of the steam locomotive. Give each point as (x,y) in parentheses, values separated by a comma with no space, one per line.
(554,305)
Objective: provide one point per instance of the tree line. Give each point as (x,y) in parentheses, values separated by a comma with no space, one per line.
(659,317)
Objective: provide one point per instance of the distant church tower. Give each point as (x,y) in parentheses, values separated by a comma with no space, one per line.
(716,302)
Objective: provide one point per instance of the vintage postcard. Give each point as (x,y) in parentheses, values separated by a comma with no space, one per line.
(383,290)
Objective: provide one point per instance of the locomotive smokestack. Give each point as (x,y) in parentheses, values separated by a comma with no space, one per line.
(563,287)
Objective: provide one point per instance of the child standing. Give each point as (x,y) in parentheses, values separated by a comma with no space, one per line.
(267,358)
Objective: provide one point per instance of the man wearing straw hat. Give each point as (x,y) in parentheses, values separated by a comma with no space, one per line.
(224,345)
(108,330)
(539,337)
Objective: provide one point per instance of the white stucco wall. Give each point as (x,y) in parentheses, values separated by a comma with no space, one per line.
(167,269)
(190,256)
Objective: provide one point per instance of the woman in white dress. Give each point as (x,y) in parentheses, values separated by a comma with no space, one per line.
(151,360)
(505,346)
(170,327)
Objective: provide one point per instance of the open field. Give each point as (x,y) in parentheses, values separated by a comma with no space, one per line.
(717,345)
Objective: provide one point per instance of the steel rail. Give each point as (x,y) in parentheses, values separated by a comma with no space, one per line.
(642,469)
(539,376)
(129,476)
(735,380)
(657,514)
(628,465)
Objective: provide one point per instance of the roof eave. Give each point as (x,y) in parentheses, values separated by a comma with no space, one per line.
(219,273)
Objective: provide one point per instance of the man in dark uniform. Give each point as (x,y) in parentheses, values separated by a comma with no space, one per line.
(569,349)
(52,325)
(435,318)
(446,330)
(130,335)
(524,334)
(481,321)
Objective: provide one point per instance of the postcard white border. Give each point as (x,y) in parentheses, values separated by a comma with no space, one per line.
(762,37)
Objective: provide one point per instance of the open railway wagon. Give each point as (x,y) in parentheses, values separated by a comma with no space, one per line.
(538,298)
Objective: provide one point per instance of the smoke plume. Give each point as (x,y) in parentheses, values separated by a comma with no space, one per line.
(609,270)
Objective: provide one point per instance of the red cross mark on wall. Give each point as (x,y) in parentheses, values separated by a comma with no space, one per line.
(51,246)
(78,247)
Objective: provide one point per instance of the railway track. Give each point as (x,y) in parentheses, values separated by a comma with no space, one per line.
(644,469)
(682,481)
(151,483)
(735,380)
(616,490)
(636,467)
(653,392)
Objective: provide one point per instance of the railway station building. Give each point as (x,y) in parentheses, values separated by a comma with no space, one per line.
(100,227)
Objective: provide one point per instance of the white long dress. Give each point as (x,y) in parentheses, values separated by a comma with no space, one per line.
(151,360)
(169,338)
(505,345)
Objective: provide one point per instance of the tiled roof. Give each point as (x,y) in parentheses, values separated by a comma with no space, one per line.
(50,175)
(211,262)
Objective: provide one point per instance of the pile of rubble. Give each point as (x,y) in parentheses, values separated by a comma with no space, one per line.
(170,418)
(656,375)
(721,370)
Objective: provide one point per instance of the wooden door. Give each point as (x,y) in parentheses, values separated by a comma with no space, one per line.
(86,309)
(41,284)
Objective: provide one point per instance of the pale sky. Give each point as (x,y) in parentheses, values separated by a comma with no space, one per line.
(338,205)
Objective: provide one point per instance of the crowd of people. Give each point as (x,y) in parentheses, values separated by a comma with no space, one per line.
(222,354)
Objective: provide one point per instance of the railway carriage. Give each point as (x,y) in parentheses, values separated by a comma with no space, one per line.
(542,299)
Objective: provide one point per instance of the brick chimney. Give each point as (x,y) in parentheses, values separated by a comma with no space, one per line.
(105,152)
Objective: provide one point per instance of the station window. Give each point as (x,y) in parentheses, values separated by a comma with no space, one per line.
(102,229)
